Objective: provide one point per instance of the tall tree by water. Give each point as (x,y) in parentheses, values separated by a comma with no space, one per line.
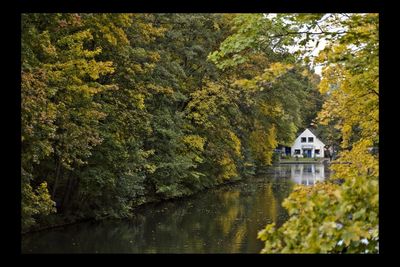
(124,109)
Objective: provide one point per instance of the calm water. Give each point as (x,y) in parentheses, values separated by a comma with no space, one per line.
(223,220)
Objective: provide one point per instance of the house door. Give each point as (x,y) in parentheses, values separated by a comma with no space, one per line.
(307,152)
(287,151)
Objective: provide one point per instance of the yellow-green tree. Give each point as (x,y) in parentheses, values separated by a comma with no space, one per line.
(341,218)
(122,109)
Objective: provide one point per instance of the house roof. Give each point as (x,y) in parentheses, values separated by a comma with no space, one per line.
(313,134)
(281,145)
(323,141)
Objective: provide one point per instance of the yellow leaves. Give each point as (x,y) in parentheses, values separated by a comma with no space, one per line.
(34,202)
(228,167)
(324,86)
(272,109)
(338,50)
(72,45)
(73,72)
(76,38)
(139,100)
(332,76)
(154,56)
(338,194)
(311,228)
(262,143)
(205,103)
(271,137)
(368,27)
(363,162)
(124,19)
(263,234)
(197,117)
(45,44)
(353,100)
(278,68)
(349,235)
(269,75)
(246,84)
(351,81)
(305,73)
(110,27)
(236,143)
(146,153)
(323,117)
(74,63)
(150,168)
(322,56)
(195,142)
(274,71)
(328,227)
(329,217)
(109,36)
(154,88)
(346,133)
(95,69)
(256,142)
(43,199)
(300,199)
(148,32)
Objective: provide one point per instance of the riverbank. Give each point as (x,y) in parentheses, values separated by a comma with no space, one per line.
(303,161)
(54,221)
(60,220)
(223,219)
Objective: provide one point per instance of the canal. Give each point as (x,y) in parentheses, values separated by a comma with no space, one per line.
(220,220)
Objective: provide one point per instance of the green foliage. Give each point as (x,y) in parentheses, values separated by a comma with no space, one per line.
(34,203)
(122,109)
(250,32)
(276,156)
(330,218)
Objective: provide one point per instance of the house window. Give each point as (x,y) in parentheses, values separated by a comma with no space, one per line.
(317,151)
(310,139)
(297,151)
(303,139)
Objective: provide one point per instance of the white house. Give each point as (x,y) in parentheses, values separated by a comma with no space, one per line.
(307,144)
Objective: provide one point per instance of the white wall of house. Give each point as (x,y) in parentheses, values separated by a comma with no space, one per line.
(312,144)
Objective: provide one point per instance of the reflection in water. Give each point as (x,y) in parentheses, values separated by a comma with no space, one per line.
(306,174)
(224,220)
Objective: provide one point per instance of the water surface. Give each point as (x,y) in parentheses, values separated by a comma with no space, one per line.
(221,220)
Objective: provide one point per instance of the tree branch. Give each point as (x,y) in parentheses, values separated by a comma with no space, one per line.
(309,33)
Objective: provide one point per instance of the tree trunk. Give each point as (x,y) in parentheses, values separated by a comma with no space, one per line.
(58,168)
(67,194)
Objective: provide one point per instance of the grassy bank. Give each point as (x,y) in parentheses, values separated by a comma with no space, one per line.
(301,160)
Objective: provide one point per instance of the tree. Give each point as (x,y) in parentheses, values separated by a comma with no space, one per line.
(61,74)
(341,218)
(124,109)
